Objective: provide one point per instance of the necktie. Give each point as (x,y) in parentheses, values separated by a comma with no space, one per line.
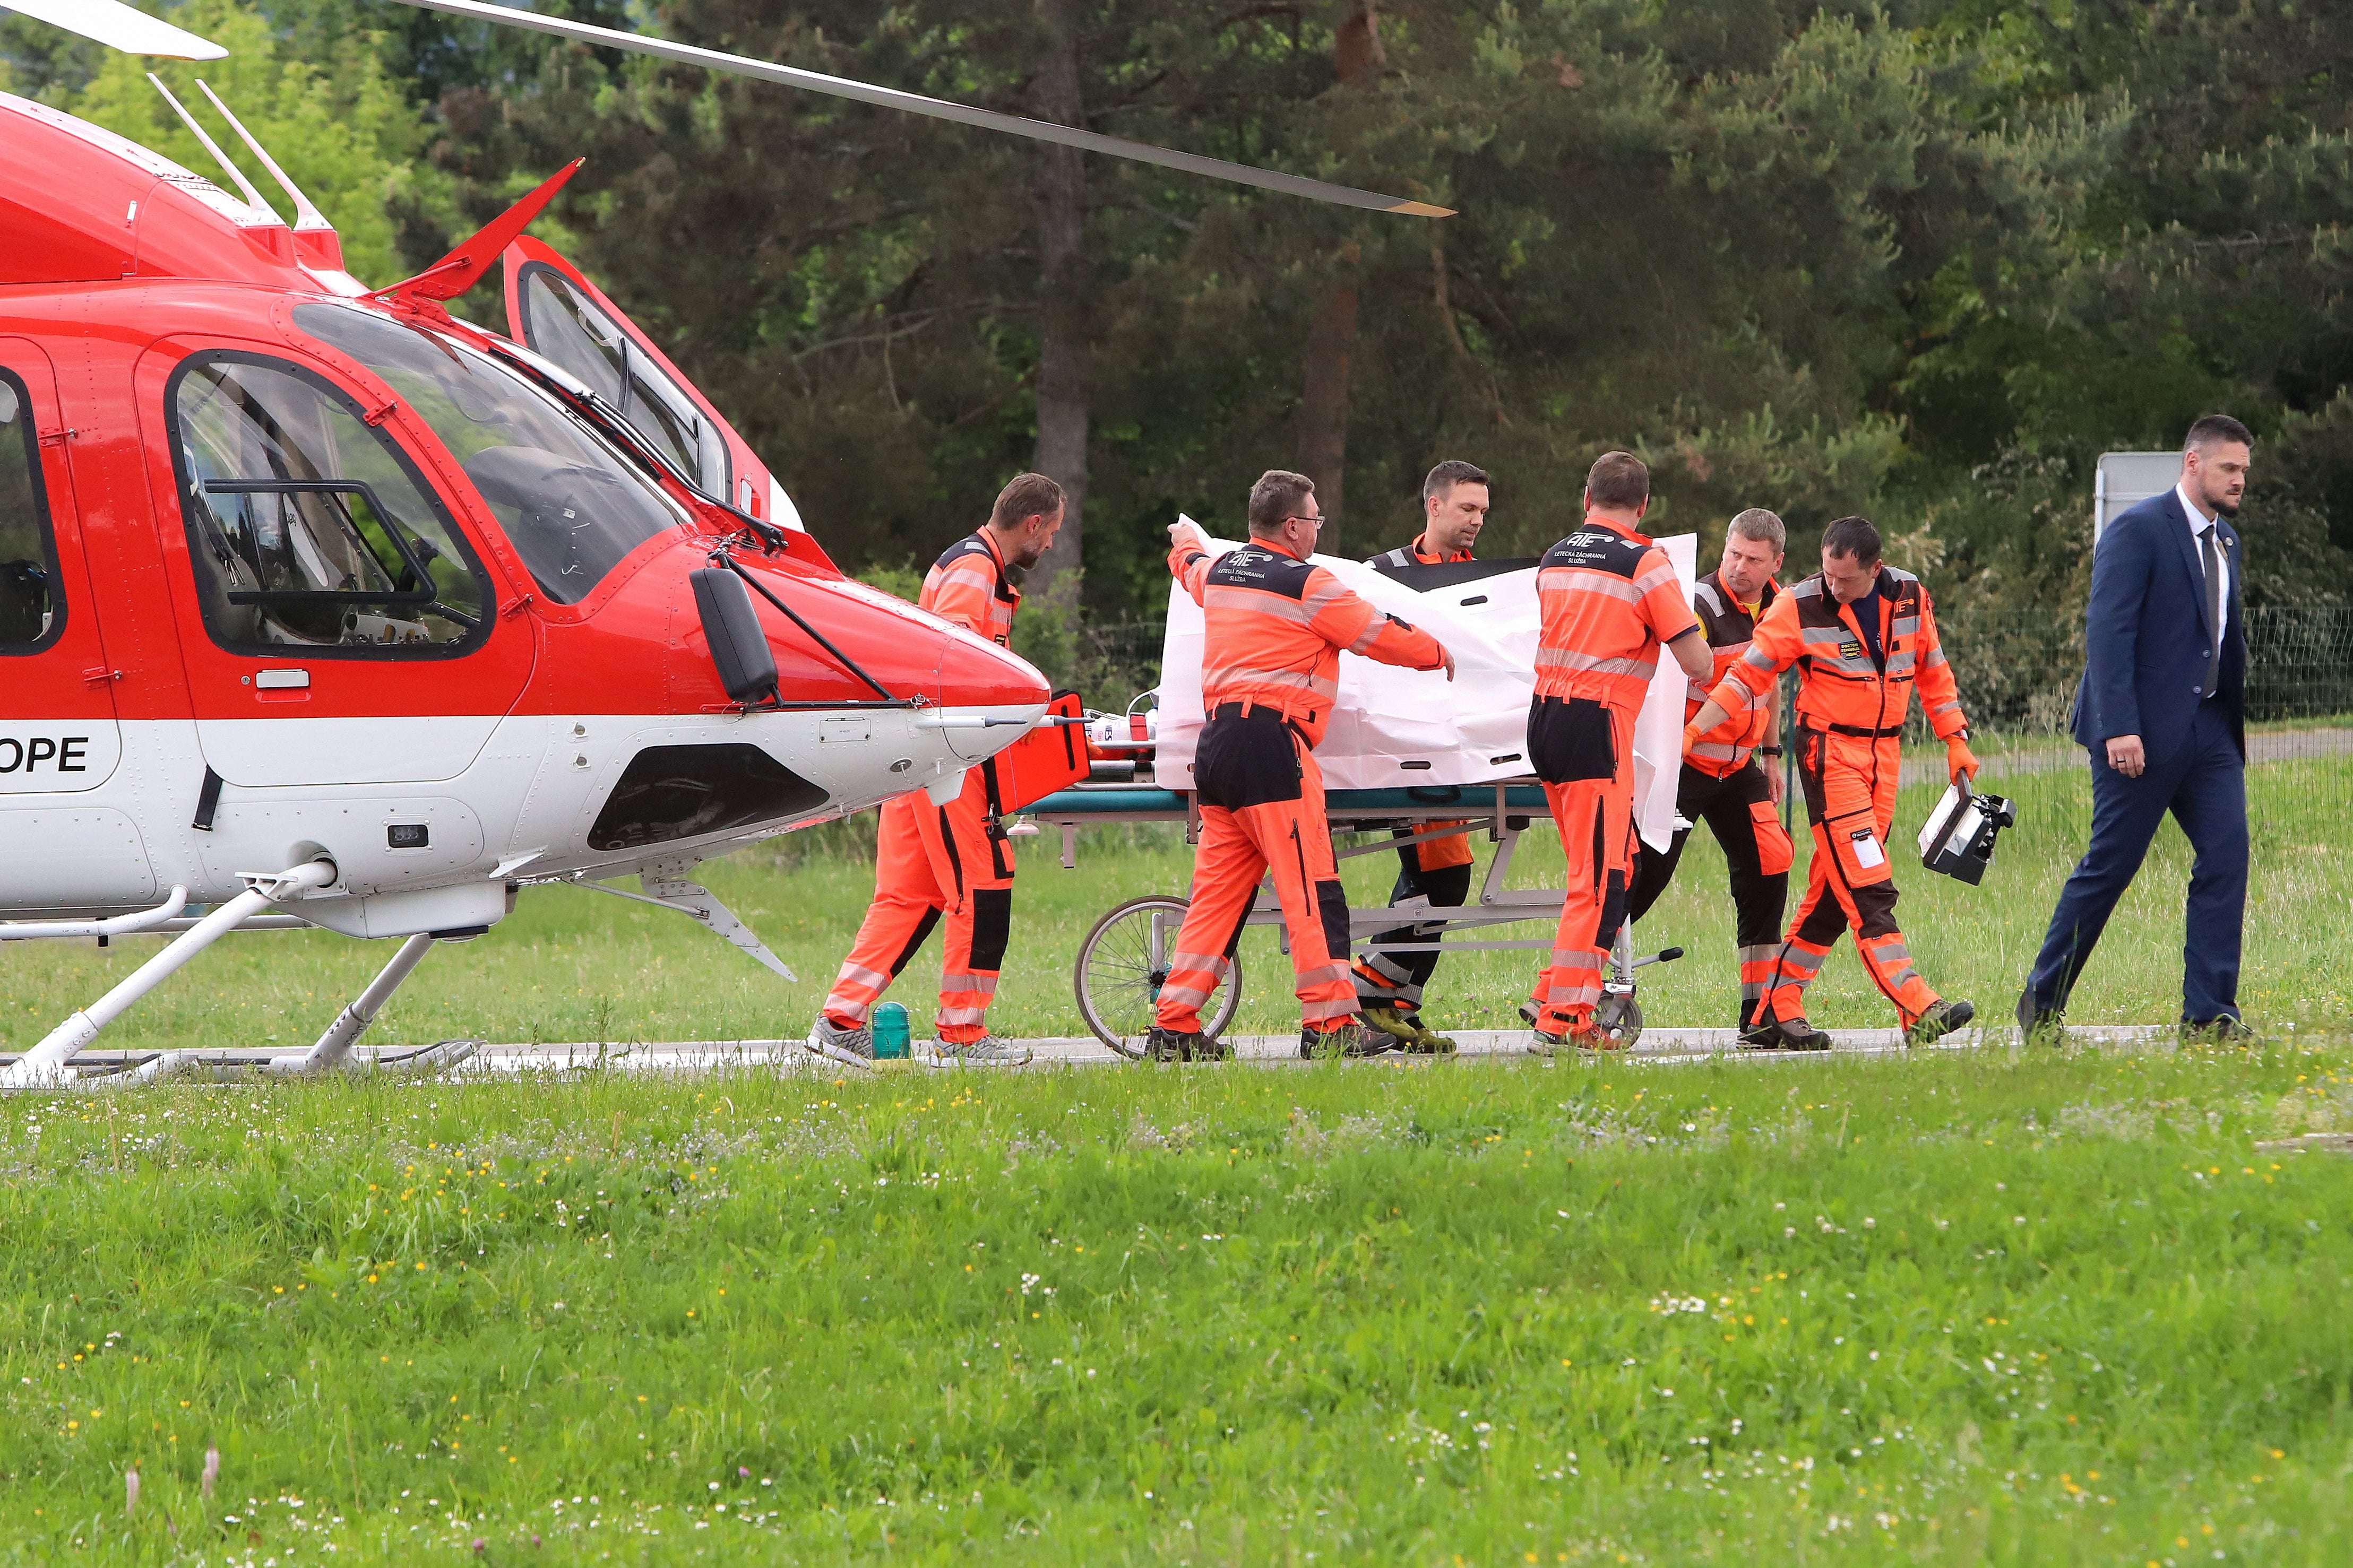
(2213,555)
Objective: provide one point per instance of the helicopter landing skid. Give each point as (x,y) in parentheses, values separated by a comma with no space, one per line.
(45,1065)
(53,1064)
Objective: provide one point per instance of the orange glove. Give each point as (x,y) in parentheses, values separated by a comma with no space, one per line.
(1960,761)
(1691,738)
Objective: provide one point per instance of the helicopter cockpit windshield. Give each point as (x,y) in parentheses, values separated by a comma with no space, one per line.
(571,506)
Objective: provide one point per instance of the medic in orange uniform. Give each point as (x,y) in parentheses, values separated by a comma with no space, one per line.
(1721,785)
(1389,986)
(1609,599)
(953,859)
(1862,635)
(1276,629)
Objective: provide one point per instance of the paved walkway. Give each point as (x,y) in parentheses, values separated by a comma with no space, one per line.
(1656,1047)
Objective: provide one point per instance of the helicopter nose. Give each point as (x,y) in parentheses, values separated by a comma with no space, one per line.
(977,674)
(910,654)
(980,680)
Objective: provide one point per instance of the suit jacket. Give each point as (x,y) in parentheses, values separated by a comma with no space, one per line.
(2146,637)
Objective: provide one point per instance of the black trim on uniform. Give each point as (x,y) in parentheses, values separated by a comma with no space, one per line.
(923,929)
(1255,565)
(1247,759)
(1601,550)
(947,837)
(992,927)
(1571,739)
(1332,909)
(1759,899)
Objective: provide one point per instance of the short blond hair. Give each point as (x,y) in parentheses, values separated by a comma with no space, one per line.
(1762,526)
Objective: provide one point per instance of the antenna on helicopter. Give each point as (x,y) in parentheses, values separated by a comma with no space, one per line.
(323,246)
(306,216)
(938,109)
(253,197)
(120,27)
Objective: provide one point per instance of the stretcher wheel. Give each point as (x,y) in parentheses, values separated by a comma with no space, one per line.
(1120,968)
(1621,1018)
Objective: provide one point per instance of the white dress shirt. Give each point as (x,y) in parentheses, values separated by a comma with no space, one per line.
(2200,526)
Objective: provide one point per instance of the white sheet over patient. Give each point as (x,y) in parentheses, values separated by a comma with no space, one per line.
(1395,728)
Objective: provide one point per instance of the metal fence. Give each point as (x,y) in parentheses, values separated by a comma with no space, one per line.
(2018,672)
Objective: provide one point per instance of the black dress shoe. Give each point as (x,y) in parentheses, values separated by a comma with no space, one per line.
(2040,1025)
(2225,1030)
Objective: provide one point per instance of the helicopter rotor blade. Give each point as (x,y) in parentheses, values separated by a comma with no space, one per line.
(936,109)
(120,27)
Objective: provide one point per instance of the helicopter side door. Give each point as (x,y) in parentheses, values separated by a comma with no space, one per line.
(341,624)
(62,842)
(553,310)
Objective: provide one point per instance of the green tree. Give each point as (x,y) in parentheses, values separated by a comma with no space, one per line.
(323,105)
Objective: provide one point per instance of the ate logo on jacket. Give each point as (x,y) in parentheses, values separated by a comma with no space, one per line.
(1255,566)
(1601,550)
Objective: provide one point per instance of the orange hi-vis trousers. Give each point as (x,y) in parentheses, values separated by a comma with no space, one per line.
(1261,800)
(1583,752)
(931,861)
(1850,785)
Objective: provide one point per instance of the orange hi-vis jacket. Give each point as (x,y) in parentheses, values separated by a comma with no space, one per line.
(1276,628)
(1414,555)
(1840,689)
(968,586)
(1729,627)
(1608,599)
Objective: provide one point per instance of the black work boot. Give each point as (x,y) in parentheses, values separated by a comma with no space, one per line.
(1173,1045)
(1771,1034)
(1350,1039)
(1941,1019)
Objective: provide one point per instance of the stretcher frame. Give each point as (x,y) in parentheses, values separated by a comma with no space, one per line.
(1506,809)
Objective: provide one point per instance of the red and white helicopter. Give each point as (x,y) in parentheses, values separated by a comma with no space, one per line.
(323,608)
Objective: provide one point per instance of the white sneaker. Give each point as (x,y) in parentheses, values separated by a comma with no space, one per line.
(989,1052)
(851,1048)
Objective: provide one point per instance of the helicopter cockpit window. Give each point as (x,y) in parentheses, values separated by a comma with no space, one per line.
(31,614)
(571,505)
(310,529)
(565,325)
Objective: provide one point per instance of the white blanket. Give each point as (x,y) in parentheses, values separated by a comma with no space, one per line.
(1395,728)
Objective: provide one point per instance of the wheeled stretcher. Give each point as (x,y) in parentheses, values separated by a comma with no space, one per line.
(1125,956)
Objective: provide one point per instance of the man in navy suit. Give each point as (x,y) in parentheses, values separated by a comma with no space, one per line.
(2161,710)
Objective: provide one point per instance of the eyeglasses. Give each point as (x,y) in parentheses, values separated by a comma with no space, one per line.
(1318,521)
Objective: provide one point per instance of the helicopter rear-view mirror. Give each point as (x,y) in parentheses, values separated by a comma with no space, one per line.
(748,668)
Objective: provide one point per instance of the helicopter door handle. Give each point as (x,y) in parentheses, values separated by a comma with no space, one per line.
(281,679)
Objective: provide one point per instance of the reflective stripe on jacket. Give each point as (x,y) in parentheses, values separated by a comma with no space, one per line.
(1276,629)
(1840,686)
(1729,629)
(1608,599)
(1411,555)
(968,586)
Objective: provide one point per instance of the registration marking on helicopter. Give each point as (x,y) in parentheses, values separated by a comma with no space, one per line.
(48,759)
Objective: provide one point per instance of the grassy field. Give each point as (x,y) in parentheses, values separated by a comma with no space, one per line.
(1970,1308)
(575,965)
(1962,1308)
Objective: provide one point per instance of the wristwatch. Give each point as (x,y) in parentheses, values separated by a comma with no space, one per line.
(1768,751)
